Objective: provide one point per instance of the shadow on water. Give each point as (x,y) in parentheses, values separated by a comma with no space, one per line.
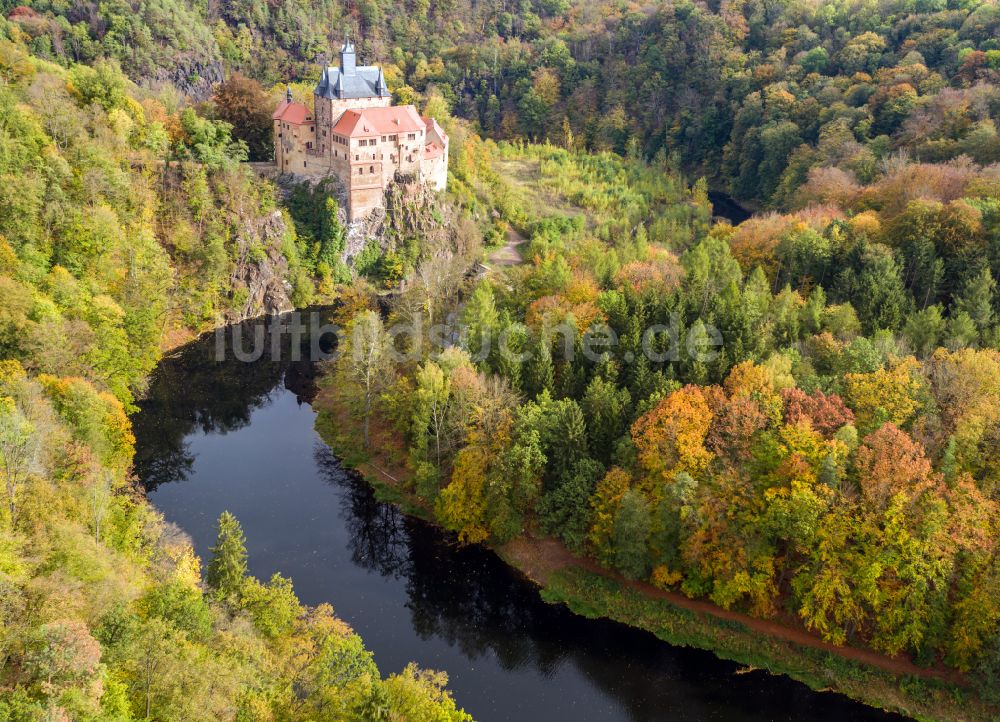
(239,436)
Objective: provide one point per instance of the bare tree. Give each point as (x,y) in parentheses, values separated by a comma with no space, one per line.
(368,361)
(99,496)
(17,450)
(433,285)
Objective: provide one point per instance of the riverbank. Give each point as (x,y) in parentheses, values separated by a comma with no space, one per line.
(890,683)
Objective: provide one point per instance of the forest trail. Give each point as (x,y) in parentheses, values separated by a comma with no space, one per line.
(539,559)
(509,254)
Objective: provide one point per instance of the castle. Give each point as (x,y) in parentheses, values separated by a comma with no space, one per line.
(358,136)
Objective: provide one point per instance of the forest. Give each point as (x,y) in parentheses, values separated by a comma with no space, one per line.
(795,417)
(127,226)
(752,95)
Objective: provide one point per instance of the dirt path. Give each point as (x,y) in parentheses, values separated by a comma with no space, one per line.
(540,558)
(508,254)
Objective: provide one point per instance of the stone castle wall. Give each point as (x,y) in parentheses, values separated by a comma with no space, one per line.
(365,166)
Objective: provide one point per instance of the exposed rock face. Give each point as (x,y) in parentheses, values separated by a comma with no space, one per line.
(193,76)
(411,209)
(360,231)
(258,281)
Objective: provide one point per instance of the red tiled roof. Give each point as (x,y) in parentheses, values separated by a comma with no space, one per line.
(433,124)
(293,112)
(433,150)
(379,121)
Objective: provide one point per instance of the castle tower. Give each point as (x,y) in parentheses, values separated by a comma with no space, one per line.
(348,86)
(359,137)
(348,60)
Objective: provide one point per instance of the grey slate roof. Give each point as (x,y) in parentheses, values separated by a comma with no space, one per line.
(366,82)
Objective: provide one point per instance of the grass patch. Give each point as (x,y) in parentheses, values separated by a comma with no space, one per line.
(595,596)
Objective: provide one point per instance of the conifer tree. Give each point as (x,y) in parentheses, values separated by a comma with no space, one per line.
(976,299)
(631,536)
(542,371)
(228,567)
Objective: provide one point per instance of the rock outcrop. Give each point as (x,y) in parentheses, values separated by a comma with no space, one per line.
(258,281)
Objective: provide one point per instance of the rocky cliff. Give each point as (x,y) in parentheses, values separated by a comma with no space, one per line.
(259,278)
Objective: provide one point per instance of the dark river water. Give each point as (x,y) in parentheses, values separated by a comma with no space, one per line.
(215,436)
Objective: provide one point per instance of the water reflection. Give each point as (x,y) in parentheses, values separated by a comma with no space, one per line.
(191,390)
(379,540)
(240,437)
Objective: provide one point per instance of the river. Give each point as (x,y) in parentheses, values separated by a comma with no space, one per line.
(239,436)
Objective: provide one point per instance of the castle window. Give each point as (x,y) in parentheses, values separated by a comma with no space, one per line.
(371,169)
(357,157)
(304,164)
(383,139)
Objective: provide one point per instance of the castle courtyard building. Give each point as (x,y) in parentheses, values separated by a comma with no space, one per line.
(355,134)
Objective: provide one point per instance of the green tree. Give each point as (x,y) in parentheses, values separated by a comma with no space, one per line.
(565,510)
(924,329)
(227,569)
(541,373)
(977,299)
(880,299)
(606,410)
(481,323)
(630,538)
(431,406)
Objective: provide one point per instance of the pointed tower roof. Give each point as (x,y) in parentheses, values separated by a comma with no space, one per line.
(348,59)
(351,80)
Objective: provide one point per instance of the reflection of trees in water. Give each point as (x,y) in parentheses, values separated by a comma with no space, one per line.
(464,595)
(192,390)
(378,539)
(468,597)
